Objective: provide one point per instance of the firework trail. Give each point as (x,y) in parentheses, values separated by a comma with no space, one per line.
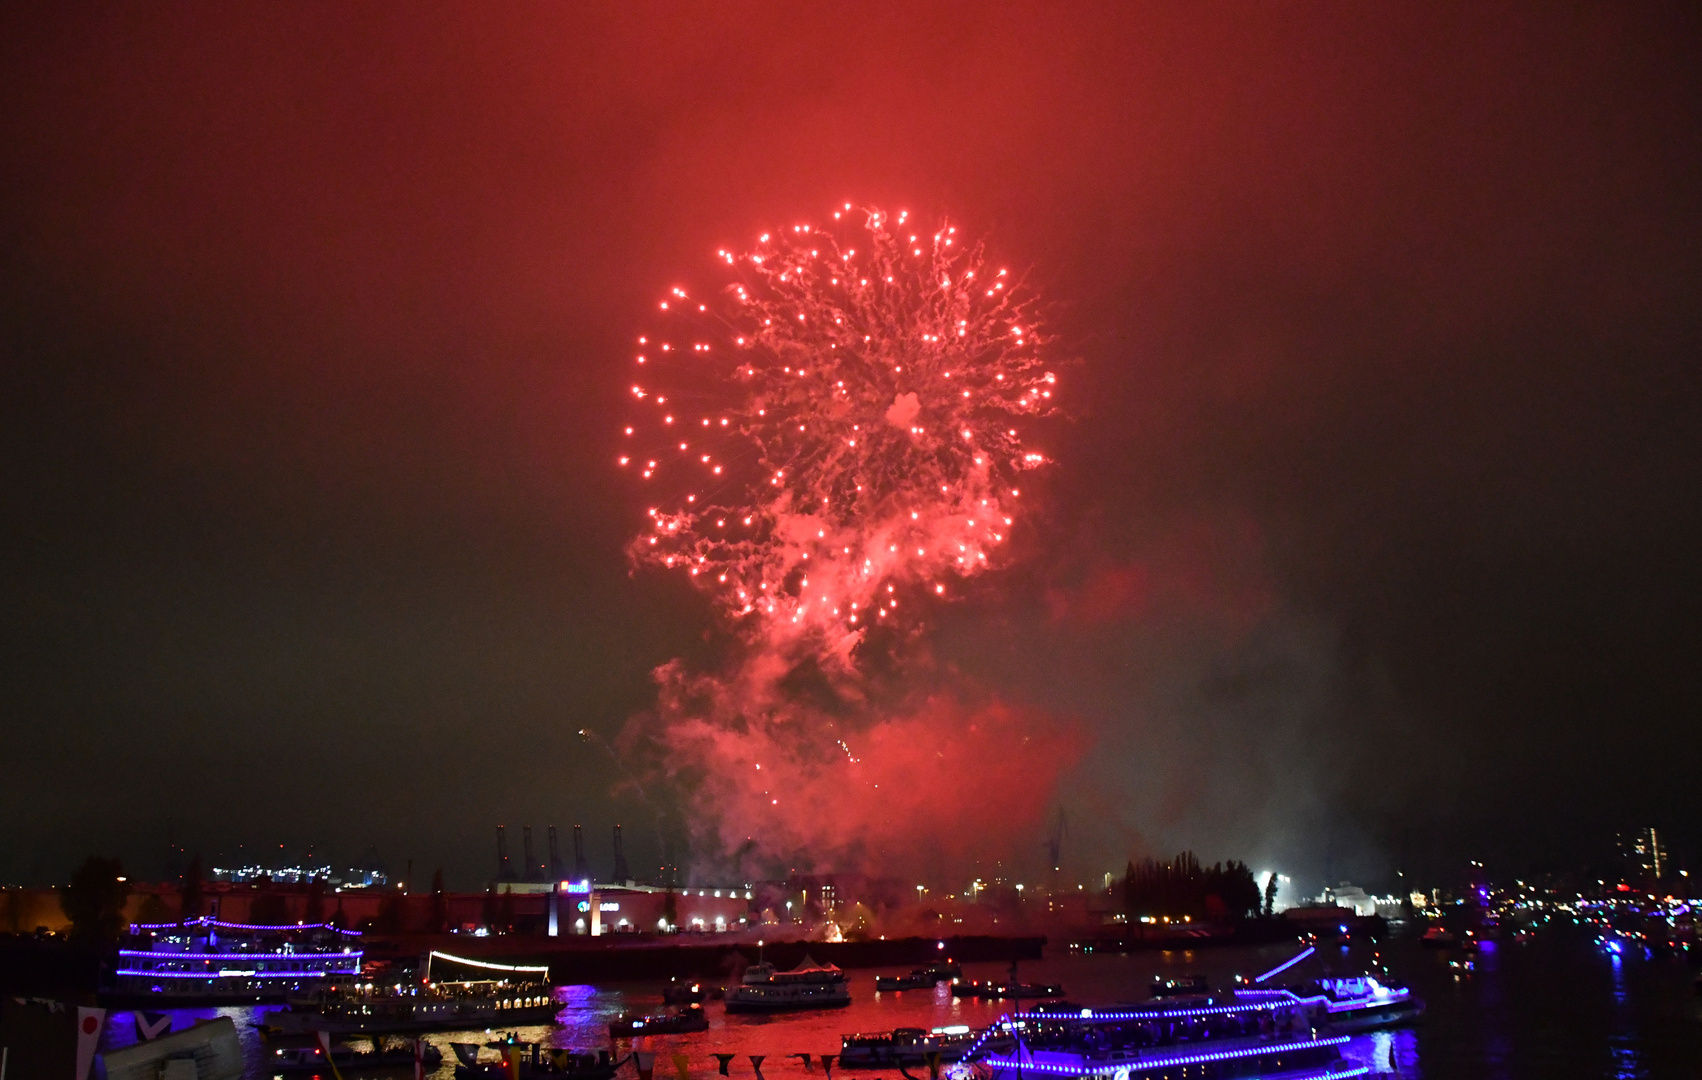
(832,438)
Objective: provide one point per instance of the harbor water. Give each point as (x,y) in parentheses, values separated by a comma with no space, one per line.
(1554,1009)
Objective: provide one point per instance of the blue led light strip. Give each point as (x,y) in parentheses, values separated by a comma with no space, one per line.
(233,975)
(334,956)
(1285,965)
(1166,1062)
(204,920)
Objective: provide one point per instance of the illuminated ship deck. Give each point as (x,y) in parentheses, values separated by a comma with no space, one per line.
(218,962)
(1196,1038)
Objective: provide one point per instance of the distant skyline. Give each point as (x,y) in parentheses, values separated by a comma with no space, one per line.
(1371,538)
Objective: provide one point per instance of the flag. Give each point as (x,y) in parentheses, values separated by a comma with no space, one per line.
(806,1058)
(724,1059)
(89,1023)
(756,1064)
(680,1063)
(466,1053)
(419,1059)
(933,1057)
(645,1063)
(151,1025)
(324,1038)
(827,1064)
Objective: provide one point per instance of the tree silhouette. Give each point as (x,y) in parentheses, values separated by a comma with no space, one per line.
(94,901)
(190,907)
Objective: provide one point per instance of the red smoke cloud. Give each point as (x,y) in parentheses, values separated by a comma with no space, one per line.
(944,778)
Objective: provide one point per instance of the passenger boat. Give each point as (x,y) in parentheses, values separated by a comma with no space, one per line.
(510,995)
(1438,937)
(529,1061)
(905,1046)
(807,986)
(1194,1037)
(689,1019)
(311,1059)
(204,961)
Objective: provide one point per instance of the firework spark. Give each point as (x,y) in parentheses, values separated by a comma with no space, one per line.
(838,429)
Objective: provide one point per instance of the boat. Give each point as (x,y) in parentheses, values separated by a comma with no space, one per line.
(1161,1040)
(678,993)
(905,1046)
(1351,1004)
(529,1061)
(922,978)
(988,990)
(311,1059)
(1179,986)
(510,995)
(689,1019)
(807,986)
(1439,937)
(206,962)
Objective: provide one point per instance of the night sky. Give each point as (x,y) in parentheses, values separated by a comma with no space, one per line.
(1373,541)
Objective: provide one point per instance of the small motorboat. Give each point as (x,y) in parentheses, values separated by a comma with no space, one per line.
(1178,986)
(530,1061)
(311,1059)
(691,1018)
(1013,991)
(678,993)
(1439,937)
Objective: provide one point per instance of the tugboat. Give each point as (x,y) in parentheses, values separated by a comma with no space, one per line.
(905,1046)
(807,986)
(1163,1041)
(678,993)
(680,1022)
(922,978)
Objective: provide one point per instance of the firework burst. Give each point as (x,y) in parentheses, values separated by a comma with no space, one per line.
(837,430)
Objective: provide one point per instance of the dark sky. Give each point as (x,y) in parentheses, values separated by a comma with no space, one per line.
(1375,533)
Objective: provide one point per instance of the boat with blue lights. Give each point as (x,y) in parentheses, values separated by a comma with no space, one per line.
(1344,1004)
(1199,1038)
(207,962)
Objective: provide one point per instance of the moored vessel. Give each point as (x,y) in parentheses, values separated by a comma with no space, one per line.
(204,961)
(510,995)
(807,986)
(1194,1037)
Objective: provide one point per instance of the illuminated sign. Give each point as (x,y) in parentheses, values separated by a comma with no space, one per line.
(584,905)
(608,906)
(577,886)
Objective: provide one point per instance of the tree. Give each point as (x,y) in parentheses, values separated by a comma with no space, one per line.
(190,908)
(269,909)
(94,901)
(1271,894)
(439,903)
